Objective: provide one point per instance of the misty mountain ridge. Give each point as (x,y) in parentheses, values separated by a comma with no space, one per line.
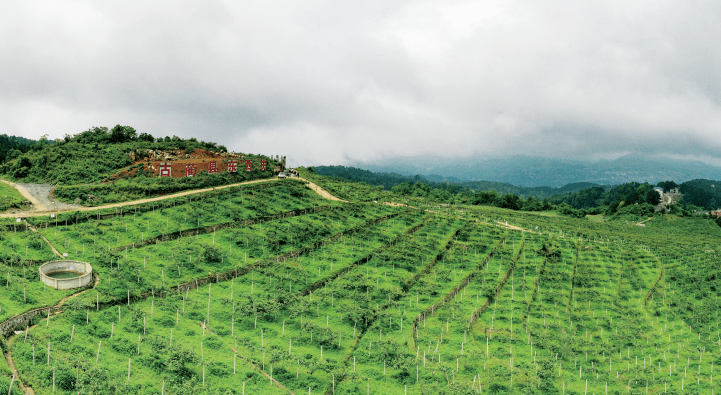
(530,171)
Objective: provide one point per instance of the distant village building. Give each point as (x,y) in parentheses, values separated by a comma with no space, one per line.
(668,198)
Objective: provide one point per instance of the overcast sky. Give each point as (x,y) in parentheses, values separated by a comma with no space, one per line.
(331,82)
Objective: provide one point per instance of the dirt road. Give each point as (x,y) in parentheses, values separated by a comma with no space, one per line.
(52,247)
(43,193)
(41,210)
(322,192)
(513,227)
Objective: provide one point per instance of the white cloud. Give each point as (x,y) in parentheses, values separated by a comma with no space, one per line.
(336,81)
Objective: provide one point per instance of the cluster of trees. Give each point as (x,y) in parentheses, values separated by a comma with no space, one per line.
(667,185)
(640,199)
(701,193)
(12,147)
(698,193)
(126,134)
(632,198)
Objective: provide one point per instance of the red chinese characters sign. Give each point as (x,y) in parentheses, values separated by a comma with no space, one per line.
(191,169)
(213,167)
(165,168)
(232,166)
(263,165)
(248,165)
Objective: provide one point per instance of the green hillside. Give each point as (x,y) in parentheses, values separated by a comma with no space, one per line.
(269,288)
(106,165)
(10,197)
(90,156)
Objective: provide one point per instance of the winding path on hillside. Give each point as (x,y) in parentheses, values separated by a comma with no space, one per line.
(16,374)
(322,192)
(40,210)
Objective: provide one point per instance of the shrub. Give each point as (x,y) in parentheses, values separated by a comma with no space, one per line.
(212,254)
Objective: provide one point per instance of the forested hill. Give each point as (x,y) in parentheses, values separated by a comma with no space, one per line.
(89,156)
(406,184)
(101,165)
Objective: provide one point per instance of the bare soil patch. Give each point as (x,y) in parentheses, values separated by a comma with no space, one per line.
(43,194)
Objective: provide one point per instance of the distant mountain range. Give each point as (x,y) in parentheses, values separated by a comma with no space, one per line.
(530,171)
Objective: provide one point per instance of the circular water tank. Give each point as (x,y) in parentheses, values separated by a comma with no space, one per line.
(66,274)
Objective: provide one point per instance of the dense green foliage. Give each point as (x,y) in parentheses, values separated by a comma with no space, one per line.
(12,147)
(701,193)
(667,185)
(698,193)
(631,193)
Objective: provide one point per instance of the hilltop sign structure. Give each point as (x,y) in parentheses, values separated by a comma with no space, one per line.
(191,169)
(165,169)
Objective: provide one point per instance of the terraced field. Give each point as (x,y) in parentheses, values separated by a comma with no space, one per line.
(273,289)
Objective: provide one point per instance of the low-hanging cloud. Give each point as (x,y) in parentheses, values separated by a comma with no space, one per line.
(337,81)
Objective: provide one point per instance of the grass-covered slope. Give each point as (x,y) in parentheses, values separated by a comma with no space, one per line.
(10,197)
(275,290)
